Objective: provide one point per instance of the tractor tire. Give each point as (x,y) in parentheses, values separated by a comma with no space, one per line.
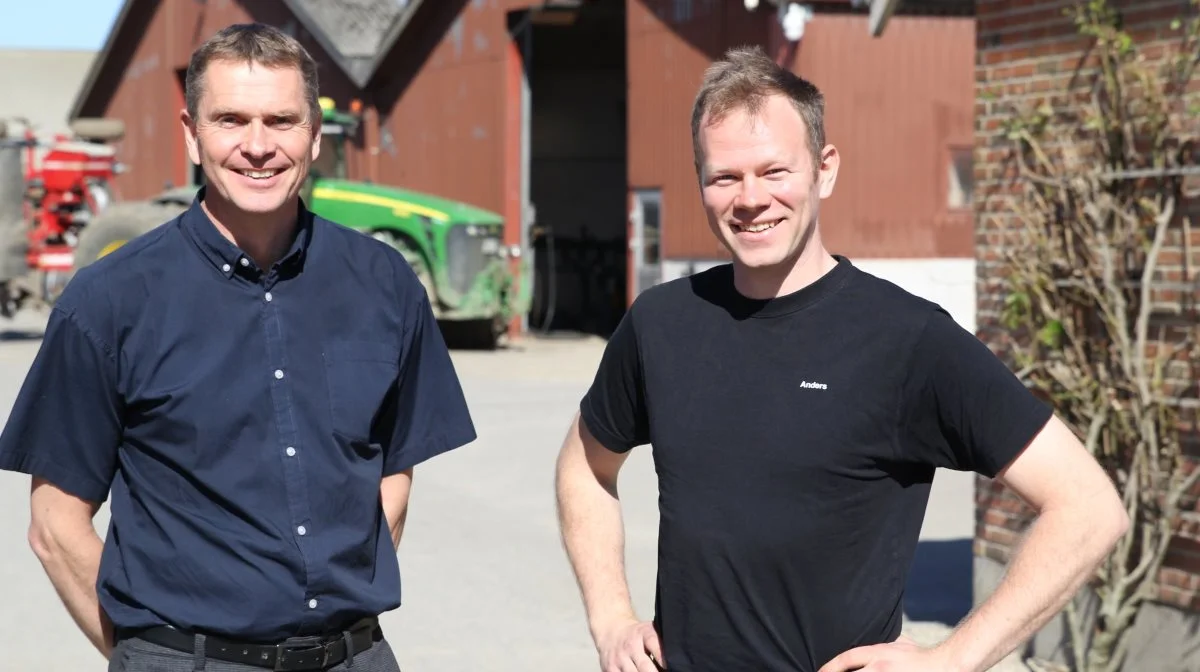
(482,334)
(414,259)
(118,224)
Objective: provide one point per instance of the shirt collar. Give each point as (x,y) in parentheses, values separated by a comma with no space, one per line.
(226,256)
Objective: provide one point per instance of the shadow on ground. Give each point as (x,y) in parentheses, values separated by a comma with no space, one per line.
(940,584)
(15,335)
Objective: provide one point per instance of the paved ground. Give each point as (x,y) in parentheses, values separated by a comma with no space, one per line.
(487,585)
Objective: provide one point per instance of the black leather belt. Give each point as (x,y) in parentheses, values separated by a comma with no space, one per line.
(295,654)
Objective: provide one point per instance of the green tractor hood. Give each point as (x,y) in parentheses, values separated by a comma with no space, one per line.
(335,199)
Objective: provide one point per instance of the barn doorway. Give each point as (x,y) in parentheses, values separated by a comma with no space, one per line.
(574,60)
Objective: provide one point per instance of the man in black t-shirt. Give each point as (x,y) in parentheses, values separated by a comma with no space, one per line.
(798,408)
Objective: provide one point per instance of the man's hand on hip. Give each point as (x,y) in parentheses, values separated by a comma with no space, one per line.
(630,646)
(902,655)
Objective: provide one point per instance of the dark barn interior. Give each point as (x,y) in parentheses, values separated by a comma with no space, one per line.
(575,64)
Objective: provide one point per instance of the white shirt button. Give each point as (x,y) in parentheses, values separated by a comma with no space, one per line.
(245,261)
(278,374)
(268,297)
(312,604)
(225,268)
(301,531)
(291,452)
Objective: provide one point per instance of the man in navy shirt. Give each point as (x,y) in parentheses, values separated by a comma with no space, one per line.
(253,385)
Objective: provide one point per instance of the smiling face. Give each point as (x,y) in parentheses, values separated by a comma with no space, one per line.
(254,137)
(762,188)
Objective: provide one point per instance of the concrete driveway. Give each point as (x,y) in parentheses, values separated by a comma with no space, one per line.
(486,583)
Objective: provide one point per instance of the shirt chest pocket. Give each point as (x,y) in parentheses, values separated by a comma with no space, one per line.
(361,376)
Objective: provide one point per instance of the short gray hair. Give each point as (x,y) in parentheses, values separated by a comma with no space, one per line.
(254,43)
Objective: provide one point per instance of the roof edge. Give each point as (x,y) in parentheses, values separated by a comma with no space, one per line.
(318,33)
(100,60)
(881,11)
(389,41)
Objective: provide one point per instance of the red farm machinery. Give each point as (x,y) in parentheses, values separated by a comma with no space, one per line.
(49,191)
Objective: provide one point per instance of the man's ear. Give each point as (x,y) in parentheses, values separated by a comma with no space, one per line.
(189,136)
(316,146)
(827,171)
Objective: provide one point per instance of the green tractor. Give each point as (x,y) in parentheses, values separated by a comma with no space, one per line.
(456,249)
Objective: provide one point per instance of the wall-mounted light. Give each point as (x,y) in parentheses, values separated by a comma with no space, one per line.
(751,5)
(793,18)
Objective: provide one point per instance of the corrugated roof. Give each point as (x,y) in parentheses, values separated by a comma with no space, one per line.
(357,34)
(355,27)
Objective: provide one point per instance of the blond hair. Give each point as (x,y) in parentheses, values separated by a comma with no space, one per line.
(743,80)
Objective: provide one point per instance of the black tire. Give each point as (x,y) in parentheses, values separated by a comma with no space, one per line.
(480,334)
(118,224)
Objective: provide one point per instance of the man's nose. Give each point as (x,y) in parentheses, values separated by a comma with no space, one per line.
(752,194)
(257,142)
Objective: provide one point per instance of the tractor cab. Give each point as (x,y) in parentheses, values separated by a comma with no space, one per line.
(337,128)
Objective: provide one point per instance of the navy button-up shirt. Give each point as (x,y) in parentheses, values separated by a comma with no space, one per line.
(241,419)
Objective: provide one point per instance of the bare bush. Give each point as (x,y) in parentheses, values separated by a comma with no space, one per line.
(1097,326)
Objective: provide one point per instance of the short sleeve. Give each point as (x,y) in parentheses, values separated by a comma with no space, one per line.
(962,408)
(66,423)
(614,407)
(429,415)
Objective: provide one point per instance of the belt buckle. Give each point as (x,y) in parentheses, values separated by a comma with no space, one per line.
(313,643)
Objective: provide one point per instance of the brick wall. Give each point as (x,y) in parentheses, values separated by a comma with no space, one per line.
(1026,50)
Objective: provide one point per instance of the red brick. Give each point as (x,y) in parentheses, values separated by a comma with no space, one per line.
(996,6)
(1171,595)
(1183,554)
(1174,578)
(1013,72)
(1004,519)
(1177,597)
(1170,257)
(1158,15)
(1051,66)
(994,56)
(992,551)
(1000,21)
(1056,47)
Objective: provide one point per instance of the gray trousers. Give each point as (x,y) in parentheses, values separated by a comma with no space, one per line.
(136,655)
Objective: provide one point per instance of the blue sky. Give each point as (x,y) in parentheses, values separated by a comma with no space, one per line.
(57,24)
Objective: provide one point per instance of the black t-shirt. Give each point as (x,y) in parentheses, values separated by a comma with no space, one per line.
(795,441)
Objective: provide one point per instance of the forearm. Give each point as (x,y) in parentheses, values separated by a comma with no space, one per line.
(1059,554)
(594,539)
(396,527)
(73,569)
(393,495)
